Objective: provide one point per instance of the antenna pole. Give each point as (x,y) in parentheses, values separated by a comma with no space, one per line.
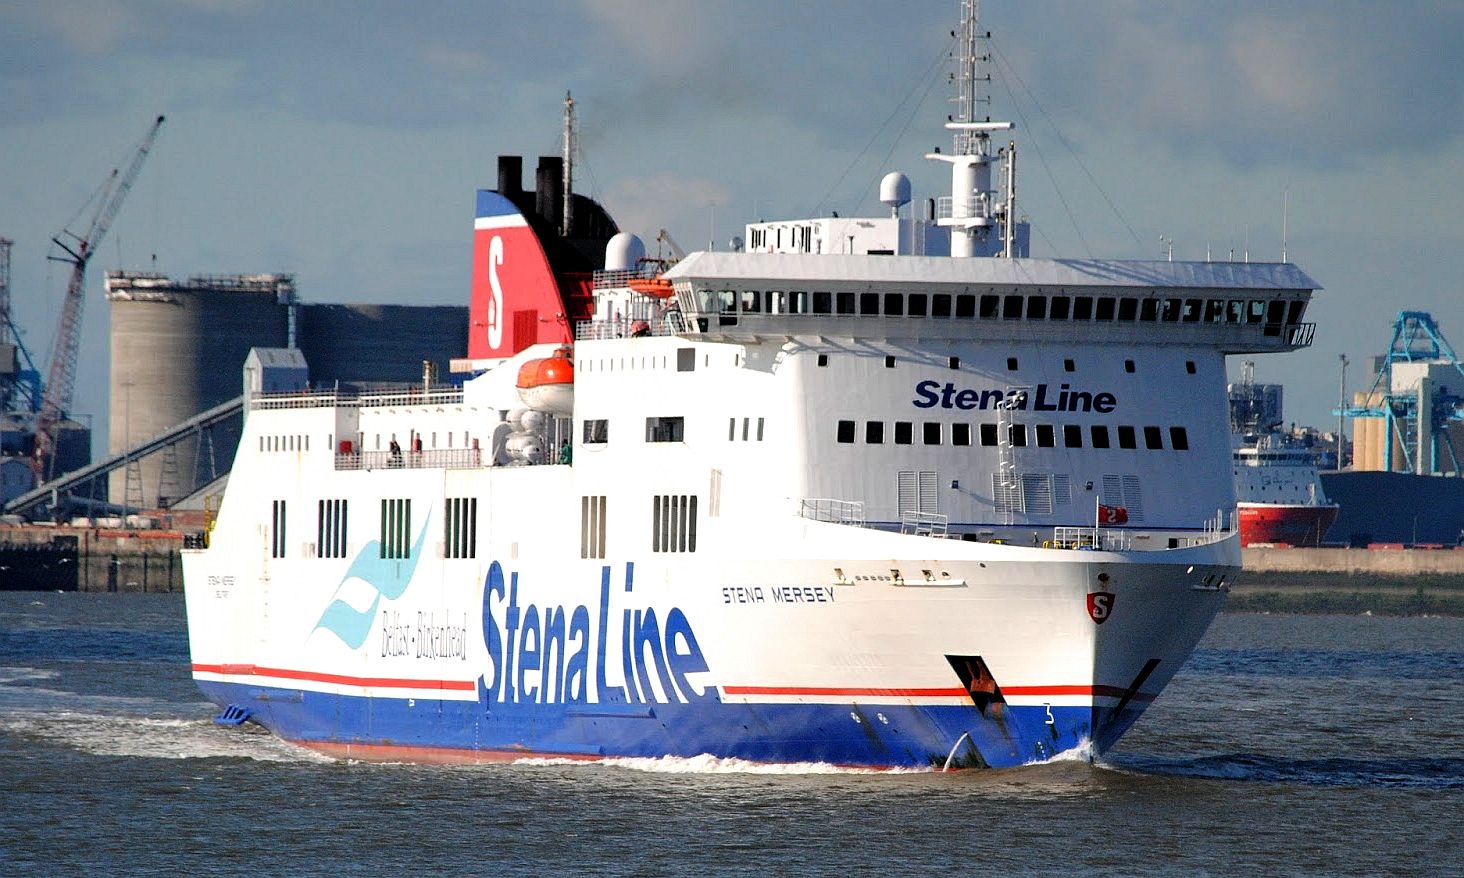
(568,222)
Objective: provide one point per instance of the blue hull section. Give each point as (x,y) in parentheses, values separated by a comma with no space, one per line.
(853,734)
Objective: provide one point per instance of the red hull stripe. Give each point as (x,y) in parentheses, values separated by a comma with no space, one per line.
(342,679)
(955,691)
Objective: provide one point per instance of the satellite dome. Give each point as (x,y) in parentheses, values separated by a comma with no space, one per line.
(894,190)
(624,252)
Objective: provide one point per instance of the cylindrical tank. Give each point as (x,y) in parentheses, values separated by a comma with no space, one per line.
(177,349)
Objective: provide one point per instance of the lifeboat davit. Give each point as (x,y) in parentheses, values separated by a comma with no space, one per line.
(546,384)
(656,286)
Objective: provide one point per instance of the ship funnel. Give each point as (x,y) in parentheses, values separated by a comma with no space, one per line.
(510,176)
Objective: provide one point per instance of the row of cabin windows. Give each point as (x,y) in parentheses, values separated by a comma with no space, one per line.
(295,442)
(1021,435)
(1173,309)
(1013,365)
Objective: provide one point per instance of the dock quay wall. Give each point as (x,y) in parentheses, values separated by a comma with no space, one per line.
(90,559)
(1389,562)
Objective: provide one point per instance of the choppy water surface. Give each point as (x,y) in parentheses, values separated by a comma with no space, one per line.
(1288,745)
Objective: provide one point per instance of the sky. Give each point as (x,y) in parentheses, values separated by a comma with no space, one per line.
(343,141)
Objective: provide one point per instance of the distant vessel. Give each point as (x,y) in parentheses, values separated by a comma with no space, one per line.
(877,492)
(1279,494)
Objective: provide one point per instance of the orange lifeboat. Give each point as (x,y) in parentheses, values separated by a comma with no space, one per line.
(657,286)
(546,384)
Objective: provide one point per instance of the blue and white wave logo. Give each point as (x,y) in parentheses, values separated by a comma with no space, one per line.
(369,579)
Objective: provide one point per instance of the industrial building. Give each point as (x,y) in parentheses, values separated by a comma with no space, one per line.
(178,348)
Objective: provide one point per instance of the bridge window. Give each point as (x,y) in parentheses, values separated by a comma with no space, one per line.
(965,306)
(844,303)
(823,303)
(1255,311)
(1036,307)
(915,303)
(1105,308)
(1011,308)
(894,304)
(1193,308)
(1236,312)
(1170,312)
(940,305)
(1128,309)
(869,303)
(1214,310)
(990,307)
(1083,308)
(1060,305)
(1149,310)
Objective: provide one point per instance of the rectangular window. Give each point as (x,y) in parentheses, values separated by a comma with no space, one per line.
(845,432)
(1105,308)
(988,434)
(940,305)
(904,432)
(1149,310)
(592,526)
(1214,310)
(1046,436)
(823,303)
(460,528)
(844,303)
(1128,308)
(965,306)
(596,431)
(1255,311)
(960,434)
(277,529)
(894,304)
(1011,308)
(1171,310)
(916,303)
(746,426)
(1153,438)
(1099,434)
(1072,436)
(666,429)
(1193,309)
(1060,305)
(1127,438)
(931,431)
(731,429)
(990,307)
(685,359)
(874,432)
(1083,308)
(1178,439)
(759,429)
(330,529)
(395,541)
(673,523)
(868,304)
(1019,435)
(1036,307)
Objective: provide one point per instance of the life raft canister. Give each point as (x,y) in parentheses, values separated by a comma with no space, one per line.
(546,384)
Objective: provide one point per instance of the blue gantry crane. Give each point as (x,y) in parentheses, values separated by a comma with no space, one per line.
(1419,394)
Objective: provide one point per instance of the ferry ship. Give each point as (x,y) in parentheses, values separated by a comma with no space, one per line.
(883,492)
(1279,493)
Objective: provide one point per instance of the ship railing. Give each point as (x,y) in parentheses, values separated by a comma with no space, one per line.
(404,395)
(832,511)
(924,524)
(625,327)
(1095,538)
(436,458)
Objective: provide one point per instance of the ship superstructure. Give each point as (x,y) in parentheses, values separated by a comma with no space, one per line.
(859,507)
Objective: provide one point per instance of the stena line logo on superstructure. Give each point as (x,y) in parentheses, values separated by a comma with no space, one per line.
(931,394)
(585,655)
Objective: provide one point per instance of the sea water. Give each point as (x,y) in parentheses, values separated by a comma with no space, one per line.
(1323,745)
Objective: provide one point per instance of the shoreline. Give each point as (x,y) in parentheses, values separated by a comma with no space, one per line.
(1317,593)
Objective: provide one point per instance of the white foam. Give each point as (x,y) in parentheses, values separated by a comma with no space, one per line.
(23,674)
(153,737)
(1083,753)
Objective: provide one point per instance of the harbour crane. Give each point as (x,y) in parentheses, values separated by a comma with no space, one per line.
(78,250)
